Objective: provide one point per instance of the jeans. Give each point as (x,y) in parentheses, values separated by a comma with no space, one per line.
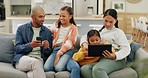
(65,63)
(61,65)
(102,68)
(74,68)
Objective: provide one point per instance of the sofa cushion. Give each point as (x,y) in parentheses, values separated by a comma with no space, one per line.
(134,47)
(8,71)
(124,73)
(6,48)
(50,74)
(63,74)
(141,63)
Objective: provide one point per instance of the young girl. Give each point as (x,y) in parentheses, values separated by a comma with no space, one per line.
(93,37)
(65,34)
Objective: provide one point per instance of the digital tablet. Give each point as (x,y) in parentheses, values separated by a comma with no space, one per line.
(97,50)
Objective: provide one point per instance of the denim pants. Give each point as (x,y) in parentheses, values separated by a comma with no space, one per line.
(74,68)
(61,65)
(65,63)
(102,68)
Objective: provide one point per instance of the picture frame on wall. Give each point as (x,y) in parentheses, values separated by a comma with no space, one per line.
(118,6)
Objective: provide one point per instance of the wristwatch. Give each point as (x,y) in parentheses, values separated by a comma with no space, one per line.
(133,1)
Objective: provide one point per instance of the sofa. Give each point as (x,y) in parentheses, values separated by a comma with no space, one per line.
(136,68)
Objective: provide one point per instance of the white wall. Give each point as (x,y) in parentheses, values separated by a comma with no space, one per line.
(141,7)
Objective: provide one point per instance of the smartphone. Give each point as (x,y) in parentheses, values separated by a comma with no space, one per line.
(39,38)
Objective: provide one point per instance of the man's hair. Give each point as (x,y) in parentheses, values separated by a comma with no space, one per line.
(35,9)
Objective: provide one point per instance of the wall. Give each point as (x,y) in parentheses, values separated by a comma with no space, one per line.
(140,7)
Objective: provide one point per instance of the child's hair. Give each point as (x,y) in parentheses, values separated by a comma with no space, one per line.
(70,11)
(92,33)
(113,13)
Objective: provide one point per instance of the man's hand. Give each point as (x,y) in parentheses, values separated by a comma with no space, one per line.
(35,43)
(45,43)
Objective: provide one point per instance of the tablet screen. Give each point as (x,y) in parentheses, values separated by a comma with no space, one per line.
(97,50)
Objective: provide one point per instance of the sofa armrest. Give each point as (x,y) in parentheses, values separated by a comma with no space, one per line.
(141,63)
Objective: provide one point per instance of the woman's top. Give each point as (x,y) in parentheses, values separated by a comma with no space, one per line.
(117,38)
(70,36)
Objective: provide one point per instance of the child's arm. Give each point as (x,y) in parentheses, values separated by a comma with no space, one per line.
(70,40)
(79,56)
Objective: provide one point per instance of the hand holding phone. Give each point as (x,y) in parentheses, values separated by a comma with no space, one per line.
(39,38)
(36,43)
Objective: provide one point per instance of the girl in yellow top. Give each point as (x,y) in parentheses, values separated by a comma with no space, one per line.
(93,37)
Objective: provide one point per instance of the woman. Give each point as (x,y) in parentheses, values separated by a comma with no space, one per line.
(111,61)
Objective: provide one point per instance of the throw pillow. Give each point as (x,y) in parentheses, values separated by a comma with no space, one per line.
(130,41)
(6,48)
(134,47)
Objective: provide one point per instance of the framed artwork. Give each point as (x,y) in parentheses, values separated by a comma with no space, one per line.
(119,6)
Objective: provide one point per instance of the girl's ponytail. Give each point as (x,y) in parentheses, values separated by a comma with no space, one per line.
(101,28)
(116,24)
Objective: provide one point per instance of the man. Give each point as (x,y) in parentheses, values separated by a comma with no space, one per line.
(30,54)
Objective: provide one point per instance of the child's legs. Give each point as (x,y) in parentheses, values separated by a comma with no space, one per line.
(86,70)
(49,64)
(105,67)
(74,68)
(63,60)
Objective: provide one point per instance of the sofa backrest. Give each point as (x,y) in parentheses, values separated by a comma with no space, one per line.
(77,45)
(6,47)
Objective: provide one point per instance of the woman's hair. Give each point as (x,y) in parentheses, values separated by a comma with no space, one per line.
(70,11)
(93,33)
(113,13)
